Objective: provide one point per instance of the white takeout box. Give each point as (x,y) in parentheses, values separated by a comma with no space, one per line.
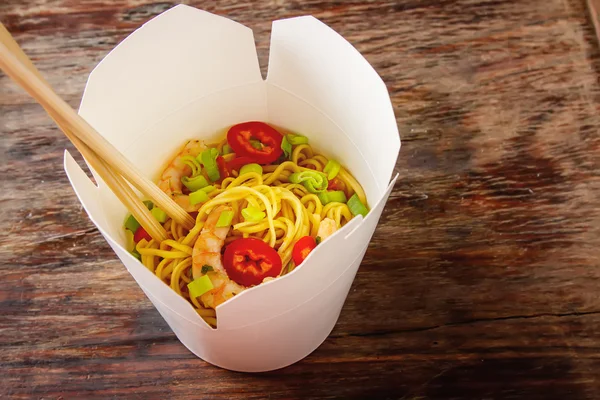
(190,74)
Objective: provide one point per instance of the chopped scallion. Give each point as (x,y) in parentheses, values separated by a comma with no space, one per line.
(159,214)
(149,204)
(332,169)
(200,286)
(297,139)
(131,223)
(208,158)
(251,168)
(195,183)
(199,196)
(208,189)
(136,254)
(336,196)
(253,214)
(225,219)
(286,147)
(313,181)
(356,206)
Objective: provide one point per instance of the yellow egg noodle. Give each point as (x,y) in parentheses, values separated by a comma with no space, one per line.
(291,212)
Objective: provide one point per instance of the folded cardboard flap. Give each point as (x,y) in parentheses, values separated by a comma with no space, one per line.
(267,344)
(316,64)
(162,66)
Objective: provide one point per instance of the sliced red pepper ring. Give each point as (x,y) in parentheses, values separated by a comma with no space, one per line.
(302,249)
(239,137)
(248,261)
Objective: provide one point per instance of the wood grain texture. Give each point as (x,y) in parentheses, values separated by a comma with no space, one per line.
(481,281)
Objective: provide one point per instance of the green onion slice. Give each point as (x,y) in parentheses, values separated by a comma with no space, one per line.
(200,286)
(297,139)
(131,223)
(332,169)
(253,214)
(225,219)
(159,214)
(336,196)
(313,181)
(251,168)
(195,183)
(286,147)
(356,206)
(199,196)
(208,158)
(136,254)
(208,189)
(148,204)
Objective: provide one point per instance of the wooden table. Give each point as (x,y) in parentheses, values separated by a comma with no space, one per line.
(482,279)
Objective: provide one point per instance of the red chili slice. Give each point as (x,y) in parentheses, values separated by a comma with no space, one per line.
(224,171)
(239,137)
(302,249)
(140,234)
(248,261)
(238,162)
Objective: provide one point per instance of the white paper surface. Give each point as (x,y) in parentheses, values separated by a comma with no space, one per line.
(189,74)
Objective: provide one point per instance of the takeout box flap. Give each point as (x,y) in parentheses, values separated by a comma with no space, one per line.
(176,58)
(318,66)
(271,344)
(328,262)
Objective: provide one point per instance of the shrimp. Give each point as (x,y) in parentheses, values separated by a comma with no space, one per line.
(327,227)
(207,251)
(224,289)
(170,179)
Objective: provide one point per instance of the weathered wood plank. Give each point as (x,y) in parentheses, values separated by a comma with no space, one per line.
(480,282)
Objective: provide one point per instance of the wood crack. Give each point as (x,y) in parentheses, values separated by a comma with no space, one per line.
(466,322)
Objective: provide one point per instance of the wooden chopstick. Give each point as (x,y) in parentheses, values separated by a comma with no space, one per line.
(53,104)
(121,189)
(594,11)
(114,181)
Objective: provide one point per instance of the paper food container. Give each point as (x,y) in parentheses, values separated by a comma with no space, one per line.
(190,74)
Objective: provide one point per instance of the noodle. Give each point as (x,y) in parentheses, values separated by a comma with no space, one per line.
(290,210)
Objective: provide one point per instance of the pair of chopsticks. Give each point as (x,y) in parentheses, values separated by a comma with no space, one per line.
(114,169)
